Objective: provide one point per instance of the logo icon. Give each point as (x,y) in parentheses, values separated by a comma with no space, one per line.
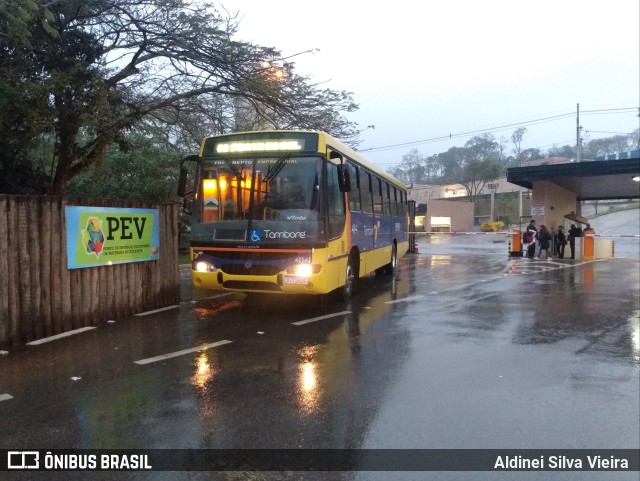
(23,460)
(93,237)
(255,235)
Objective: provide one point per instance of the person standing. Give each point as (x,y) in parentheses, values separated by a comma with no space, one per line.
(561,241)
(573,233)
(588,231)
(529,238)
(544,241)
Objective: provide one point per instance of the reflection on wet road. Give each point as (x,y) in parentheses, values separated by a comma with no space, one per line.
(461,348)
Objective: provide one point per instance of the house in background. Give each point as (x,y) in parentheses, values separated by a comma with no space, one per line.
(440,215)
(446,208)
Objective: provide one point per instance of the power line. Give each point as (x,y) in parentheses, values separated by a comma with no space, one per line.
(605,132)
(498,128)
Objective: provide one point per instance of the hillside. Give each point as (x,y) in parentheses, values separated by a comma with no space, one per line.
(616,223)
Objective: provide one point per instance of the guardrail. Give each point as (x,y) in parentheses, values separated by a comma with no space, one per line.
(632,236)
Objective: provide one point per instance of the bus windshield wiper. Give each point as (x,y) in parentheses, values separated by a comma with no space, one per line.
(234,170)
(275,170)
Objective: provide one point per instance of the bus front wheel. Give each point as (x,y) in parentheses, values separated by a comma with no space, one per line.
(350,281)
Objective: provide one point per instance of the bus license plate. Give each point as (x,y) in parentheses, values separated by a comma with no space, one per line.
(295,280)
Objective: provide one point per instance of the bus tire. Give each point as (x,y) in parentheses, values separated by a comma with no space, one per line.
(391,267)
(350,280)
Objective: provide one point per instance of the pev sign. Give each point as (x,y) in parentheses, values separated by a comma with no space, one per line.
(99,236)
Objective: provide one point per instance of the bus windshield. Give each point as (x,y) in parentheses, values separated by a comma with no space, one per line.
(236,192)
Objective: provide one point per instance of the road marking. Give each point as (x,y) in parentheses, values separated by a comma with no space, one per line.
(475,299)
(226,294)
(60,336)
(536,267)
(405,299)
(162,357)
(157,310)
(5,397)
(328,316)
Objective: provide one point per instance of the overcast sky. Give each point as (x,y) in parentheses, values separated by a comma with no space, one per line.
(425,69)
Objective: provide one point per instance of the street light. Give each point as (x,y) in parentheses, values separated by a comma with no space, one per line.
(273,71)
(266,80)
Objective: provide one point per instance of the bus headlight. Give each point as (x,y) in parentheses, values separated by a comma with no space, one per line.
(203,266)
(303,270)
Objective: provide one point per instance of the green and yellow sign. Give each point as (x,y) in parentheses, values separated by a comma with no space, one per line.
(99,236)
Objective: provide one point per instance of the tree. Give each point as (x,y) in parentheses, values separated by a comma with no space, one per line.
(502,157)
(564,151)
(147,171)
(84,72)
(527,155)
(434,168)
(482,163)
(609,145)
(412,168)
(23,100)
(516,138)
(452,161)
(472,164)
(482,147)
(476,173)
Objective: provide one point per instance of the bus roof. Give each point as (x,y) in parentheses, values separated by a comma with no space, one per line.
(360,159)
(325,140)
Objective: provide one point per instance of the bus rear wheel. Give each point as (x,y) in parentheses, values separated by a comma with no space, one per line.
(391,267)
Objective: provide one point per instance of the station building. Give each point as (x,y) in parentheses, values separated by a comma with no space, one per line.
(558,190)
(448,208)
(545,190)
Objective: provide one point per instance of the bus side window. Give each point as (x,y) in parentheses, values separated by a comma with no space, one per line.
(354,195)
(365,191)
(386,198)
(378,200)
(394,203)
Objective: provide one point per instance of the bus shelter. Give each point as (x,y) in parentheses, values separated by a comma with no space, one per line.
(559,189)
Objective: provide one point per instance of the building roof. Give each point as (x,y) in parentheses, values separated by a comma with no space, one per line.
(593,180)
(549,161)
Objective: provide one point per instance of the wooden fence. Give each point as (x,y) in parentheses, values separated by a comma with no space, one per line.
(40,296)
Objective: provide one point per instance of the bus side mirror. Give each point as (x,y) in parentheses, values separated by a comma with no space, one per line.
(345,178)
(182,179)
(182,182)
(187,195)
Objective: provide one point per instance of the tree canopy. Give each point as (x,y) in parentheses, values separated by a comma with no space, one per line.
(76,76)
(479,161)
(483,159)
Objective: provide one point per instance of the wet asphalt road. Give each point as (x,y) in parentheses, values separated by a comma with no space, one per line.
(462,348)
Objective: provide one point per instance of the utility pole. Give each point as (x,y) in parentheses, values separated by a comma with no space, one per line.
(578,133)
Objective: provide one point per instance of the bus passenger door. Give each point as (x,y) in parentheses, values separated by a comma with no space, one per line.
(335,207)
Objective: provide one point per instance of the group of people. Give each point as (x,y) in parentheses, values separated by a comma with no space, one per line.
(544,237)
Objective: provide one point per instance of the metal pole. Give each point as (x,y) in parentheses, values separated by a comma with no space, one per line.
(578,133)
(520,203)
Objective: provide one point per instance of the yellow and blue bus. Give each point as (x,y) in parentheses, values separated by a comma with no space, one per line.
(291,212)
